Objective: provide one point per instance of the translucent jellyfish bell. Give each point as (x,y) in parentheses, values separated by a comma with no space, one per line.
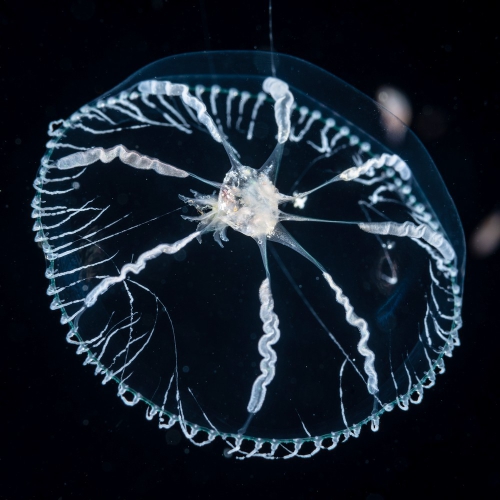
(327,286)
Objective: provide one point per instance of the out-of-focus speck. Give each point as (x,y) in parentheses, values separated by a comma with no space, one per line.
(485,240)
(400,112)
(431,123)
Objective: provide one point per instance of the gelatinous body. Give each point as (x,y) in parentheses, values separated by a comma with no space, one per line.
(330,291)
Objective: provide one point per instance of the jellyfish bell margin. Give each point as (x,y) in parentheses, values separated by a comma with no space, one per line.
(248,254)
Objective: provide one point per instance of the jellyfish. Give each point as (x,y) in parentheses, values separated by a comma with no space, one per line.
(231,240)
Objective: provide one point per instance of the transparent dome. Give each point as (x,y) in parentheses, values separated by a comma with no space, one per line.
(247,252)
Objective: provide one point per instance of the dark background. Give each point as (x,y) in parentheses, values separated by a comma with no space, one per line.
(63,435)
